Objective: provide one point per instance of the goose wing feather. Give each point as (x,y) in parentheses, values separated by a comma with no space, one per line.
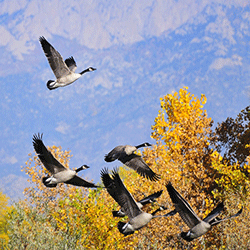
(45,156)
(78,181)
(71,64)
(150,198)
(136,162)
(114,154)
(213,214)
(217,220)
(120,194)
(183,208)
(56,62)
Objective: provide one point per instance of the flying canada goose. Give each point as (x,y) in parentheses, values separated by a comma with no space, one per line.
(137,218)
(149,199)
(126,155)
(197,226)
(59,173)
(63,70)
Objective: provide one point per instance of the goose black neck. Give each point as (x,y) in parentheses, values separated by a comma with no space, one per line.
(79,169)
(84,71)
(143,145)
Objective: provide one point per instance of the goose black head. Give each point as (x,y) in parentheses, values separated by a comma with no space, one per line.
(91,69)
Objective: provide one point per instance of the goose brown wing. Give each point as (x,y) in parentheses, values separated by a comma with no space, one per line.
(114,154)
(56,62)
(182,207)
(135,162)
(217,220)
(78,181)
(71,64)
(120,194)
(150,198)
(213,214)
(45,156)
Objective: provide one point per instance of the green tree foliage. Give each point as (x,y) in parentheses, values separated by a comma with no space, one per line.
(186,152)
(232,136)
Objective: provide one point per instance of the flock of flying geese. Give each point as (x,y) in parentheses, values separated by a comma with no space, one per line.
(65,75)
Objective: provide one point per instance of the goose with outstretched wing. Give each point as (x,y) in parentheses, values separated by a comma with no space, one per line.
(64,71)
(59,173)
(197,226)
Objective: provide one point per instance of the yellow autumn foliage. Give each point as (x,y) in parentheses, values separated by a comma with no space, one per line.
(183,155)
(4,211)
